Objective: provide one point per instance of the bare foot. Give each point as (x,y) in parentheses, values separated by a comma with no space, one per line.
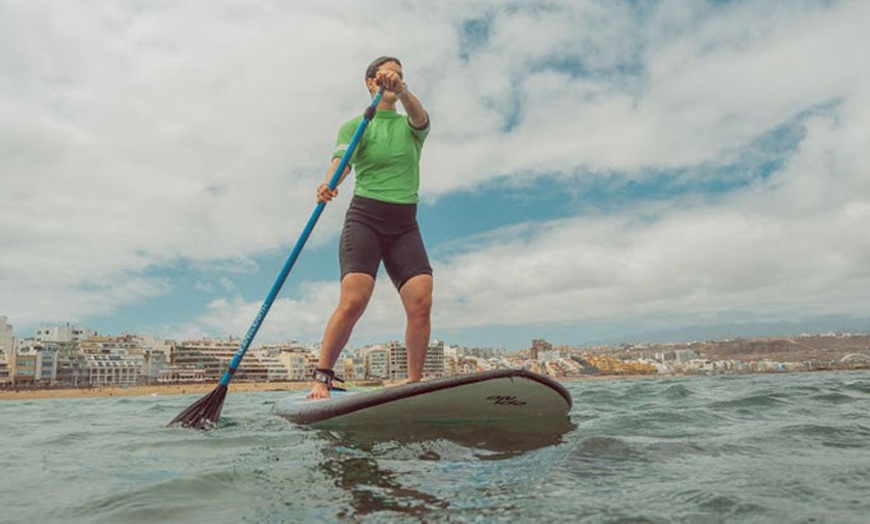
(319,391)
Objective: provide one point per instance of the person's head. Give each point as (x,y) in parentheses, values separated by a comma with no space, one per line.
(383,62)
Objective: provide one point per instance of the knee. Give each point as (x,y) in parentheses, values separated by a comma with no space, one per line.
(352,306)
(419,307)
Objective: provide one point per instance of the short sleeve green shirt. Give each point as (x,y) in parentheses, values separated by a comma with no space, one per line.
(387,158)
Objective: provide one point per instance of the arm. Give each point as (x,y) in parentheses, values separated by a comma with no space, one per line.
(417,115)
(392,80)
(323,192)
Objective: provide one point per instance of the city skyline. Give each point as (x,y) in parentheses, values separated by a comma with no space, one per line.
(596,172)
(71,357)
(71,332)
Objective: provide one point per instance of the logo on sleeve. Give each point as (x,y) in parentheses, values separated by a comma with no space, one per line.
(341,148)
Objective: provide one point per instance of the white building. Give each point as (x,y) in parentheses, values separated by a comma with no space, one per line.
(7,351)
(7,343)
(214,356)
(377,362)
(275,368)
(66,333)
(153,352)
(5,378)
(154,362)
(398,354)
(433,366)
(36,364)
(451,351)
(297,361)
(109,370)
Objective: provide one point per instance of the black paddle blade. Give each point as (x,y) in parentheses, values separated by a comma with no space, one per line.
(204,413)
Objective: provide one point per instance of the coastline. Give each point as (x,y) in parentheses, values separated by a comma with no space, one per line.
(201,388)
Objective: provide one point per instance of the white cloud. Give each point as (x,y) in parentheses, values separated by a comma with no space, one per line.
(133,137)
(788,247)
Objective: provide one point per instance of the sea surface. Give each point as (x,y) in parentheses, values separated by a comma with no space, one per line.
(756,448)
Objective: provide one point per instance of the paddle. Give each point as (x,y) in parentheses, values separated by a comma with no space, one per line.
(205,412)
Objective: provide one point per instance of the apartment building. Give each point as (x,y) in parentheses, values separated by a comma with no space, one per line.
(65,333)
(7,352)
(377,362)
(433,366)
(214,357)
(113,369)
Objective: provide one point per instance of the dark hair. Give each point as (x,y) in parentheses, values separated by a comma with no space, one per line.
(372,69)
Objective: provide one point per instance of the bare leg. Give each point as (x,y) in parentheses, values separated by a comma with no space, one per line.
(356,290)
(417,298)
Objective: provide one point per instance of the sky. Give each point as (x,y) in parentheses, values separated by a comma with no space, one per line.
(597,171)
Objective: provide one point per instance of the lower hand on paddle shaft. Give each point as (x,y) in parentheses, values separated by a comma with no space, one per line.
(324,194)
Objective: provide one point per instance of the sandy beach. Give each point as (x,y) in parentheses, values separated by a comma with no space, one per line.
(161,389)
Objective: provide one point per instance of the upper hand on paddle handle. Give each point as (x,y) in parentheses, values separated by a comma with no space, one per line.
(391,81)
(324,194)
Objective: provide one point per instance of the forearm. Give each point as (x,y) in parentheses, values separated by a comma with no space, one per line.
(331,171)
(324,192)
(414,108)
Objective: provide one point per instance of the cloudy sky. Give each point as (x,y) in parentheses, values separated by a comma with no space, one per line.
(596,170)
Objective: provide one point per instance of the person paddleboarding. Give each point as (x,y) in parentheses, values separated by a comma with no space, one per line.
(381,221)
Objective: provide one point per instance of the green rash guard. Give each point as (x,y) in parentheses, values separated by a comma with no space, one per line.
(387,157)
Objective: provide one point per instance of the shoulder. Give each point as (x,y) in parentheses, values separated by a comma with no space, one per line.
(350,126)
(353,122)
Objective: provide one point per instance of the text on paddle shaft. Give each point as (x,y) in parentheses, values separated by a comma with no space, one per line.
(505,400)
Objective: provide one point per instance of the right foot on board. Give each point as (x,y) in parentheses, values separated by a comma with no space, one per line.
(319,390)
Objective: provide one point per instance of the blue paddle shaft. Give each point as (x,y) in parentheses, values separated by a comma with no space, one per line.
(291,260)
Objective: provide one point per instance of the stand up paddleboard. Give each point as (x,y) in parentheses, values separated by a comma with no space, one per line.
(499,396)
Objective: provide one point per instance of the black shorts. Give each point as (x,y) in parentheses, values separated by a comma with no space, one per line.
(375,231)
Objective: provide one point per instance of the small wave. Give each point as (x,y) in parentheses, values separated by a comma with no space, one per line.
(662,422)
(596,449)
(165,501)
(845,436)
(834,398)
(714,501)
(861,386)
(675,392)
(765,400)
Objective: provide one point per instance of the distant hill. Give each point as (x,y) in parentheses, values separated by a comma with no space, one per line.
(781,349)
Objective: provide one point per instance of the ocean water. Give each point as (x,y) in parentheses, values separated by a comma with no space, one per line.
(757,448)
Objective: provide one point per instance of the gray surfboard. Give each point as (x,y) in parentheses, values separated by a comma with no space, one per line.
(504,396)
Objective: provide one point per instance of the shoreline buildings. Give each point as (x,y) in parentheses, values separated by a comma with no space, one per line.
(67,356)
